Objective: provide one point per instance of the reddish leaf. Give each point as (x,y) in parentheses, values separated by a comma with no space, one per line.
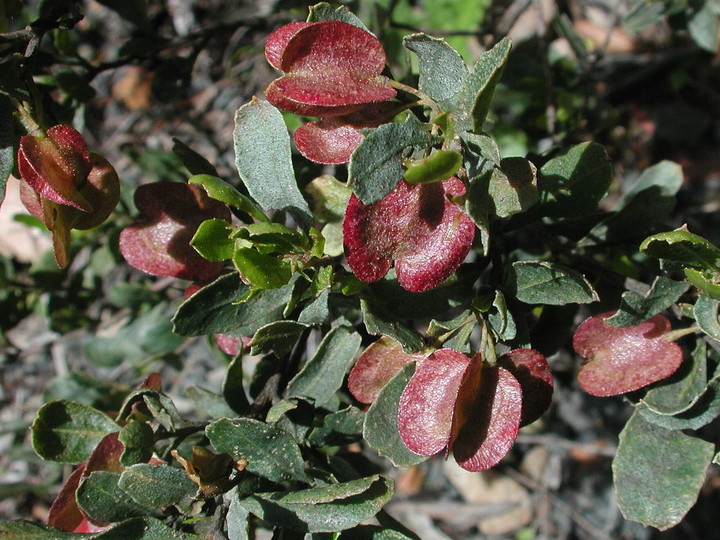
(426,235)
(331,68)
(159,243)
(56,165)
(377,364)
(532,371)
(488,418)
(425,411)
(624,359)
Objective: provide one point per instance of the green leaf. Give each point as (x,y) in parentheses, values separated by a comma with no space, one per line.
(157,486)
(232,387)
(263,159)
(476,92)
(703,411)
(643,14)
(378,324)
(706,281)
(684,247)
(658,473)
(330,196)
(375,166)
(643,209)
(68,432)
(194,162)
(684,388)
(221,191)
(100,497)
(279,337)
(324,373)
(438,166)
(145,528)
(7,152)
(374,532)
(325,12)
(339,428)
(213,240)
(220,308)
(572,183)
(500,318)
(209,403)
(148,335)
(380,429)
(28,530)
(635,308)
(329,508)
(270,451)
(237,520)
(262,271)
(706,315)
(703,27)
(317,310)
(477,206)
(540,282)
(513,187)
(441,68)
(138,439)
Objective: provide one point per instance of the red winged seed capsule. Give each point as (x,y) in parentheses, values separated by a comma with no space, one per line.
(330,68)
(459,405)
(333,140)
(56,165)
(416,227)
(64,185)
(627,358)
(159,242)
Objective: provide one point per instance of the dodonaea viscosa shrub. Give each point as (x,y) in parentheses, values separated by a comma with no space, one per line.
(441,259)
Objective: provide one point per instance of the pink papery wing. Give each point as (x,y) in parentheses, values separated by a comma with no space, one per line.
(330,68)
(328,141)
(425,411)
(377,364)
(486,429)
(415,225)
(533,373)
(64,511)
(278,40)
(626,358)
(56,166)
(159,244)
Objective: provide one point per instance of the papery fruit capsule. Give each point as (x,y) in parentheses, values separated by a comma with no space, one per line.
(56,164)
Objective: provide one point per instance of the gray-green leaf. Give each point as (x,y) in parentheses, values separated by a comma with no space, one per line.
(441,68)
(324,373)
(68,432)
(541,282)
(271,452)
(375,168)
(658,472)
(263,159)
(381,431)
(329,508)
